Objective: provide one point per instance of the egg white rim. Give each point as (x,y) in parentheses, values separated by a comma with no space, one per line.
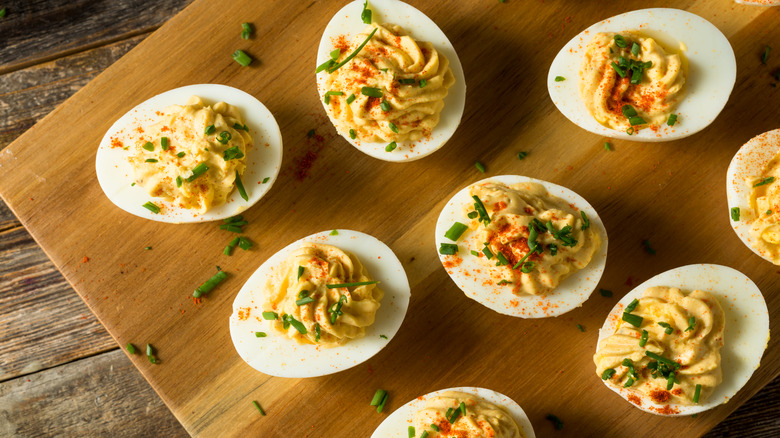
(746,334)
(754,3)
(280,356)
(706,94)
(115,173)
(347,22)
(571,293)
(396,424)
(749,160)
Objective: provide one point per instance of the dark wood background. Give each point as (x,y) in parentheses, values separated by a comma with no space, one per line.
(60,371)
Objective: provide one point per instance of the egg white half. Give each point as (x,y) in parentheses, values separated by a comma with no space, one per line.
(396,424)
(746,333)
(745,167)
(280,356)
(347,22)
(712,71)
(570,293)
(264,159)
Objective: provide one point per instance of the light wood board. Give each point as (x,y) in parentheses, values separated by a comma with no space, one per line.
(671,193)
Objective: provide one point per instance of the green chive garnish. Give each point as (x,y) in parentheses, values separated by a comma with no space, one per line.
(304,301)
(350,98)
(697,393)
(668,329)
(334,233)
(424,434)
(423,83)
(411,432)
(636,121)
(359,283)
(270,315)
(480,208)
(224,137)
(181,154)
(448,249)
(246,30)
(260,334)
(605,293)
(242,58)
(620,41)
(635,49)
(334,54)
(629,382)
(631,306)
(240,187)
(257,405)
(521,155)
(352,134)
(765,56)
(151,207)
(229,248)
(556,421)
(197,171)
(767,180)
(317,332)
(149,146)
(384,106)
(244,243)
(381,405)
(434,427)
(456,230)
(3,12)
(662,359)
(150,354)
(130,348)
(366,14)
(240,127)
(488,253)
(672,119)
(151,160)
(632,319)
(232,153)
(266,179)
(559,79)
(630,131)
(607,146)
(406,81)
(480,166)
(164,143)
(691,323)
(288,320)
(326,98)
(393,127)
(643,339)
(608,373)
(371,92)
(209,284)
(585,221)
(648,248)
(300,272)
(502,260)
(378,396)
(580,327)
(391,147)
(210,129)
(553,248)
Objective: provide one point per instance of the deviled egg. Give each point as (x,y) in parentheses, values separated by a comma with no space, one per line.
(646,75)
(390,80)
(487,413)
(753,193)
(521,246)
(196,153)
(349,297)
(685,341)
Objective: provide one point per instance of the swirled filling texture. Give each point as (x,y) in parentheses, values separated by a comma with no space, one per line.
(164,170)
(765,215)
(605,92)
(322,265)
(483,419)
(412,77)
(696,350)
(512,209)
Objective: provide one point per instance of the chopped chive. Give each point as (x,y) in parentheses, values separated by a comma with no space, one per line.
(424,434)
(631,306)
(635,49)
(391,147)
(522,155)
(209,284)
(334,233)
(151,160)
(181,154)
(350,98)
(411,432)
(359,283)
(384,106)
(662,359)
(691,323)
(197,171)
(325,65)
(244,243)
(632,319)
(242,58)
(462,408)
(527,267)
(260,334)
(488,253)
(164,143)
(628,111)
(229,248)
(304,301)
(317,332)
(352,134)
(630,131)
(643,339)
(585,221)
(672,119)
(406,81)
(297,325)
(556,421)
(648,248)
(240,187)
(232,153)
(270,315)
(150,354)
(300,272)
(472,215)
(448,249)
(132,184)
(620,71)
(454,417)
(607,146)
(670,382)
(423,83)
(231,228)
(257,405)
(178,181)
(605,293)
(224,137)
(210,129)
(767,180)
(629,382)
(130,348)
(620,41)
(381,405)
(582,329)
(246,31)
(371,92)
(636,121)
(456,230)
(668,329)
(501,259)
(378,396)
(149,146)
(393,127)
(480,166)
(334,54)
(434,427)
(147,248)
(326,98)
(3,12)
(553,248)
(559,79)
(608,373)
(234,219)
(266,179)
(697,393)
(151,206)
(480,207)
(366,14)
(240,127)
(765,56)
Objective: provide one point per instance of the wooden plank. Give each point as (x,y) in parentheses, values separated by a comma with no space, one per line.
(73,26)
(216,398)
(756,419)
(95,396)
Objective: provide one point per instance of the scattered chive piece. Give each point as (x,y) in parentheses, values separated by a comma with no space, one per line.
(325,65)
(150,354)
(197,171)
(381,405)
(488,253)
(768,212)
(151,207)
(244,243)
(231,228)
(456,230)
(326,98)
(502,259)
(672,119)
(424,434)
(2,12)
(311,133)
(585,221)
(668,329)
(270,315)
(423,83)
(503,282)
(582,329)
(448,249)
(359,283)
(151,160)
(393,127)
(260,334)
(553,249)
(629,382)
(605,293)
(411,432)
(232,153)
(608,373)
(480,166)
(224,137)
(149,146)
(521,155)
(378,396)
(304,301)
(697,393)
(350,98)
(181,154)
(230,246)
(164,143)
(636,121)
(210,129)
(632,319)
(130,348)
(240,127)
(406,81)
(474,253)
(556,421)
(297,325)
(630,131)
(635,49)
(266,179)
(366,14)
(352,134)
(434,427)
(765,56)
(691,323)
(559,79)
(462,408)
(607,146)
(371,92)
(643,339)
(131,185)
(178,181)
(246,31)
(620,71)
(300,272)
(648,248)
(391,147)
(209,284)
(148,248)
(385,106)
(480,207)
(472,215)
(257,405)
(240,187)
(662,359)
(334,233)
(334,54)
(317,332)
(242,58)
(670,382)
(620,41)
(383,337)
(631,306)
(767,180)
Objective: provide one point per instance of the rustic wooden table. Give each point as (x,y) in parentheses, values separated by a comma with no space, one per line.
(60,372)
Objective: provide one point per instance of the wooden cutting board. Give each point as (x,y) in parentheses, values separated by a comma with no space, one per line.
(670,193)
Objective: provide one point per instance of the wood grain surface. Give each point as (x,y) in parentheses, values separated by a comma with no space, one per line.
(147,299)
